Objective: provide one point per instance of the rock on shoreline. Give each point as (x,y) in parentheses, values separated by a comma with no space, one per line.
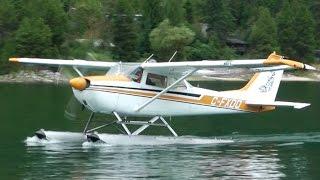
(41,76)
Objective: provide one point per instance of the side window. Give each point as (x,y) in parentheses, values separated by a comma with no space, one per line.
(156,80)
(136,75)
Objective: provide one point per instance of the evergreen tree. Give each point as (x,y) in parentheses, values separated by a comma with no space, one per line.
(174,11)
(315,7)
(165,39)
(8,19)
(263,36)
(189,11)
(34,39)
(218,17)
(152,15)
(53,14)
(152,12)
(124,32)
(296,31)
(87,18)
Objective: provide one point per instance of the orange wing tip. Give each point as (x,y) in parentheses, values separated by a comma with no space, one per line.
(275,59)
(13,60)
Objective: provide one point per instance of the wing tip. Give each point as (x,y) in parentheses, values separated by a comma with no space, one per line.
(13,59)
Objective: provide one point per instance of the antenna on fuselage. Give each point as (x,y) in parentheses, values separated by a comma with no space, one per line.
(119,68)
(148,59)
(174,54)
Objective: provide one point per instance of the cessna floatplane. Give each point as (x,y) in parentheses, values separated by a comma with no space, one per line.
(160,89)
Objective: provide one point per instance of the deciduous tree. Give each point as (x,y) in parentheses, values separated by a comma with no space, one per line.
(165,39)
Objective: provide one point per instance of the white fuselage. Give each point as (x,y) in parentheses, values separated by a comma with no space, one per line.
(125,97)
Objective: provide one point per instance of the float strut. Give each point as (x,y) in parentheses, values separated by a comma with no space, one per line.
(168,126)
(123,125)
(88,122)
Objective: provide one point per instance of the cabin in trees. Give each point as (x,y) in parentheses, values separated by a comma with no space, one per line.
(238,45)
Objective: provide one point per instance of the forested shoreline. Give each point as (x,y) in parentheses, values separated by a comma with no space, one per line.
(131,30)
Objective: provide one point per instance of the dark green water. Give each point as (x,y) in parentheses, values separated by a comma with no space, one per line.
(280,144)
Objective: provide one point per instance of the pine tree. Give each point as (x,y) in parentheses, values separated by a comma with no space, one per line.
(124,32)
(315,7)
(87,18)
(8,19)
(152,12)
(219,19)
(175,12)
(189,11)
(296,31)
(53,14)
(33,39)
(263,36)
(152,15)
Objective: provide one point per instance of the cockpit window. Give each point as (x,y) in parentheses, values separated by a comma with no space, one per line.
(136,75)
(156,80)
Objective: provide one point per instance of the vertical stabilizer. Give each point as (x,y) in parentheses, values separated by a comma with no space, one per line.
(263,86)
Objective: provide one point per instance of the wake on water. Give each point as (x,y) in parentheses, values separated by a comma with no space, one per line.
(54,137)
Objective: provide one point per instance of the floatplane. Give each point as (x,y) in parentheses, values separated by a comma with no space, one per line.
(158,90)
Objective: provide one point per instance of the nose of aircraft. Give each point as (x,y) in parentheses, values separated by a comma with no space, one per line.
(79,83)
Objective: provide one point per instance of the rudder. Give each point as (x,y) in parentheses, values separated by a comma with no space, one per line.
(263,86)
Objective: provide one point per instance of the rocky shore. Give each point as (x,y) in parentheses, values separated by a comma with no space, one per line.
(41,76)
(50,77)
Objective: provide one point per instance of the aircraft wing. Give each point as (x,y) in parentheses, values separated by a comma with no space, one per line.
(273,62)
(59,62)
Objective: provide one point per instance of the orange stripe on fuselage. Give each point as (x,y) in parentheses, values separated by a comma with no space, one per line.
(205,100)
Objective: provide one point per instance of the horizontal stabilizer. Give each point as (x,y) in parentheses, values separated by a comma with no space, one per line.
(295,105)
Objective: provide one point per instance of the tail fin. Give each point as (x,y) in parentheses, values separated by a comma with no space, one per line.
(263,86)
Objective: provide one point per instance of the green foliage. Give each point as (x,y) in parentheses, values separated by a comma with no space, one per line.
(152,15)
(8,23)
(87,17)
(86,50)
(8,18)
(53,14)
(174,11)
(315,7)
(130,29)
(211,50)
(263,36)
(165,39)
(219,18)
(152,12)
(296,31)
(125,37)
(189,15)
(34,39)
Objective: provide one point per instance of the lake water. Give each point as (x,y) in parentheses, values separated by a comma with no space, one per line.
(281,144)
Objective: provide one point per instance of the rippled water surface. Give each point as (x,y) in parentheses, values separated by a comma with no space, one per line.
(275,145)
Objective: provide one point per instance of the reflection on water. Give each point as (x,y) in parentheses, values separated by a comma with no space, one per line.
(248,157)
(134,162)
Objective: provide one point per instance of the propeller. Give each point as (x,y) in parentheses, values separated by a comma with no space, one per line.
(74,109)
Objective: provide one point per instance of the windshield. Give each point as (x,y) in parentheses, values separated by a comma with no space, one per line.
(131,70)
(123,68)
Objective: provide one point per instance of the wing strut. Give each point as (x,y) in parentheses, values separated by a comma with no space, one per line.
(166,90)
